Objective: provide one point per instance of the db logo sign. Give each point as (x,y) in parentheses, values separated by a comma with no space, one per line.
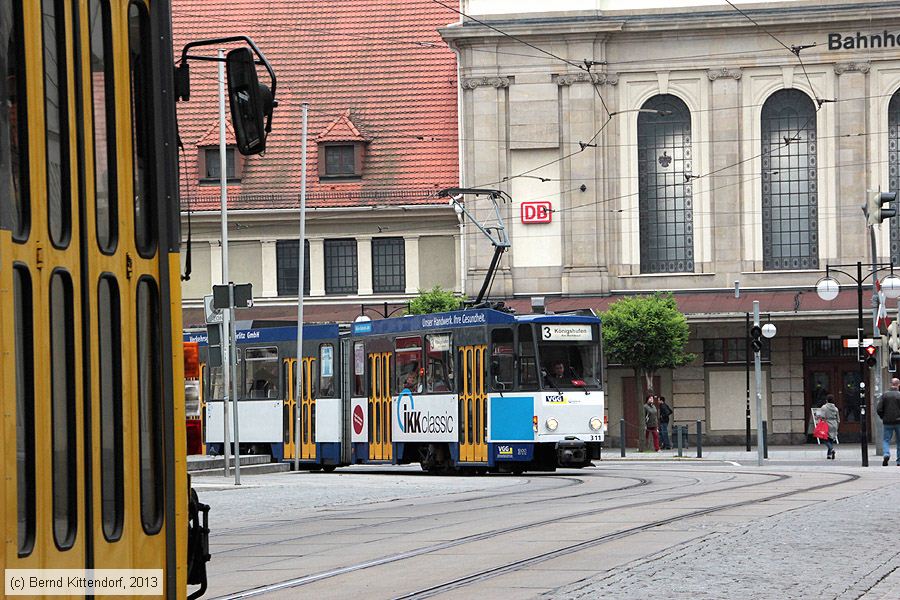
(537,212)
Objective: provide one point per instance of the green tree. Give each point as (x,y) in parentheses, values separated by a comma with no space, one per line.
(646,333)
(434,300)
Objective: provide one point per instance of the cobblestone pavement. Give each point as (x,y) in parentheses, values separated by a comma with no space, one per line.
(841,549)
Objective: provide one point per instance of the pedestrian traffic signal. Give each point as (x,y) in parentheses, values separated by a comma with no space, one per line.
(870,355)
(755,338)
(873,210)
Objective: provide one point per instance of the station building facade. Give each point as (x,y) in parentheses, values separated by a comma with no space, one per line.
(681,147)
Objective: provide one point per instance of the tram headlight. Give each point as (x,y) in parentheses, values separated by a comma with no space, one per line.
(596,423)
(552,424)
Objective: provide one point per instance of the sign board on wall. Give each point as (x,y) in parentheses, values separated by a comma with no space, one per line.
(536,212)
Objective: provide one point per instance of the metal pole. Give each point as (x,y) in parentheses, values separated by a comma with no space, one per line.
(863,429)
(765,438)
(622,436)
(876,336)
(699,439)
(747,362)
(680,432)
(226,314)
(758,369)
(234,388)
(301,275)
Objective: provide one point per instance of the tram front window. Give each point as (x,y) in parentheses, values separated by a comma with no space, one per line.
(569,365)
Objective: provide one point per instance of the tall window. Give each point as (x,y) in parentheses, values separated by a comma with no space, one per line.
(287,255)
(56,115)
(340,267)
(142,130)
(13,125)
(789,194)
(664,184)
(388,265)
(103,90)
(894,169)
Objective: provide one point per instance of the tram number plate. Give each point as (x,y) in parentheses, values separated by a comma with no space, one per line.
(512,452)
(596,437)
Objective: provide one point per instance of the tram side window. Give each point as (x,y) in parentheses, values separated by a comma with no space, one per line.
(56,114)
(438,364)
(142,130)
(62,404)
(24,353)
(528,379)
(13,125)
(326,370)
(261,373)
(103,89)
(150,405)
(408,358)
(503,359)
(359,370)
(110,380)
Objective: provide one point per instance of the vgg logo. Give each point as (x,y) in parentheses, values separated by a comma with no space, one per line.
(504,450)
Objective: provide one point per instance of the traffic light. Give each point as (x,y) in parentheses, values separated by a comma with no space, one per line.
(875,214)
(755,338)
(870,355)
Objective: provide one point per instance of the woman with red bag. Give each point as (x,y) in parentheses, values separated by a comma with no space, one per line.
(830,416)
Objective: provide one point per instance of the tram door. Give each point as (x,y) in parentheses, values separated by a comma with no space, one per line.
(290,407)
(307,411)
(307,408)
(380,406)
(472,405)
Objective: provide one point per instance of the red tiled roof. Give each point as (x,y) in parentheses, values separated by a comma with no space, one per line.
(341,129)
(211,138)
(379,62)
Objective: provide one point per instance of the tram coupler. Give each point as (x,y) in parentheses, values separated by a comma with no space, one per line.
(572,453)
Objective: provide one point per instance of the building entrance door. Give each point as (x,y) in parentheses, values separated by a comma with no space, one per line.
(841,380)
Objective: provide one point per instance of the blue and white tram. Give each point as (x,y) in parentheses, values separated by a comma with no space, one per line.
(477,389)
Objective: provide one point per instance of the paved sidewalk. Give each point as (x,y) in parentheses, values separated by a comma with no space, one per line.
(846,454)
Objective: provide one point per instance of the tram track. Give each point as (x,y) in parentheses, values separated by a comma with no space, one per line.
(640,482)
(497,571)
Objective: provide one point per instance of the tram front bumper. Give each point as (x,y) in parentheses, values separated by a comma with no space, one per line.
(572,453)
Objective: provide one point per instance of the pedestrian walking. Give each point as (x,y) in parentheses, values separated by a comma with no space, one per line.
(829,413)
(665,413)
(651,420)
(888,410)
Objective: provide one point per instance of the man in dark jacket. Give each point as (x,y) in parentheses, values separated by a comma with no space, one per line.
(889,410)
(665,412)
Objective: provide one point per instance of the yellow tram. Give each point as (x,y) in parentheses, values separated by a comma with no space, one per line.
(92,426)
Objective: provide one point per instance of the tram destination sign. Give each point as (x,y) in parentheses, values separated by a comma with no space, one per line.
(566,333)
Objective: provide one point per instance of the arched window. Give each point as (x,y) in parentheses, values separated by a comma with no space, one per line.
(789,190)
(664,183)
(894,169)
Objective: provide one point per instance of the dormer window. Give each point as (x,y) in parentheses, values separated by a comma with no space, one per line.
(341,160)
(210,166)
(341,150)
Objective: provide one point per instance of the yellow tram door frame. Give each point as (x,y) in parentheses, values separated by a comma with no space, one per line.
(290,406)
(307,413)
(472,405)
(380,447)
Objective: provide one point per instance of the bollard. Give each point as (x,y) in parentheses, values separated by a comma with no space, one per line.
(765,434)
(622,436)
(680,441)
(699,439)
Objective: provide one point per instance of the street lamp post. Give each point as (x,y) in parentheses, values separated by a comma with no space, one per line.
(827,289)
